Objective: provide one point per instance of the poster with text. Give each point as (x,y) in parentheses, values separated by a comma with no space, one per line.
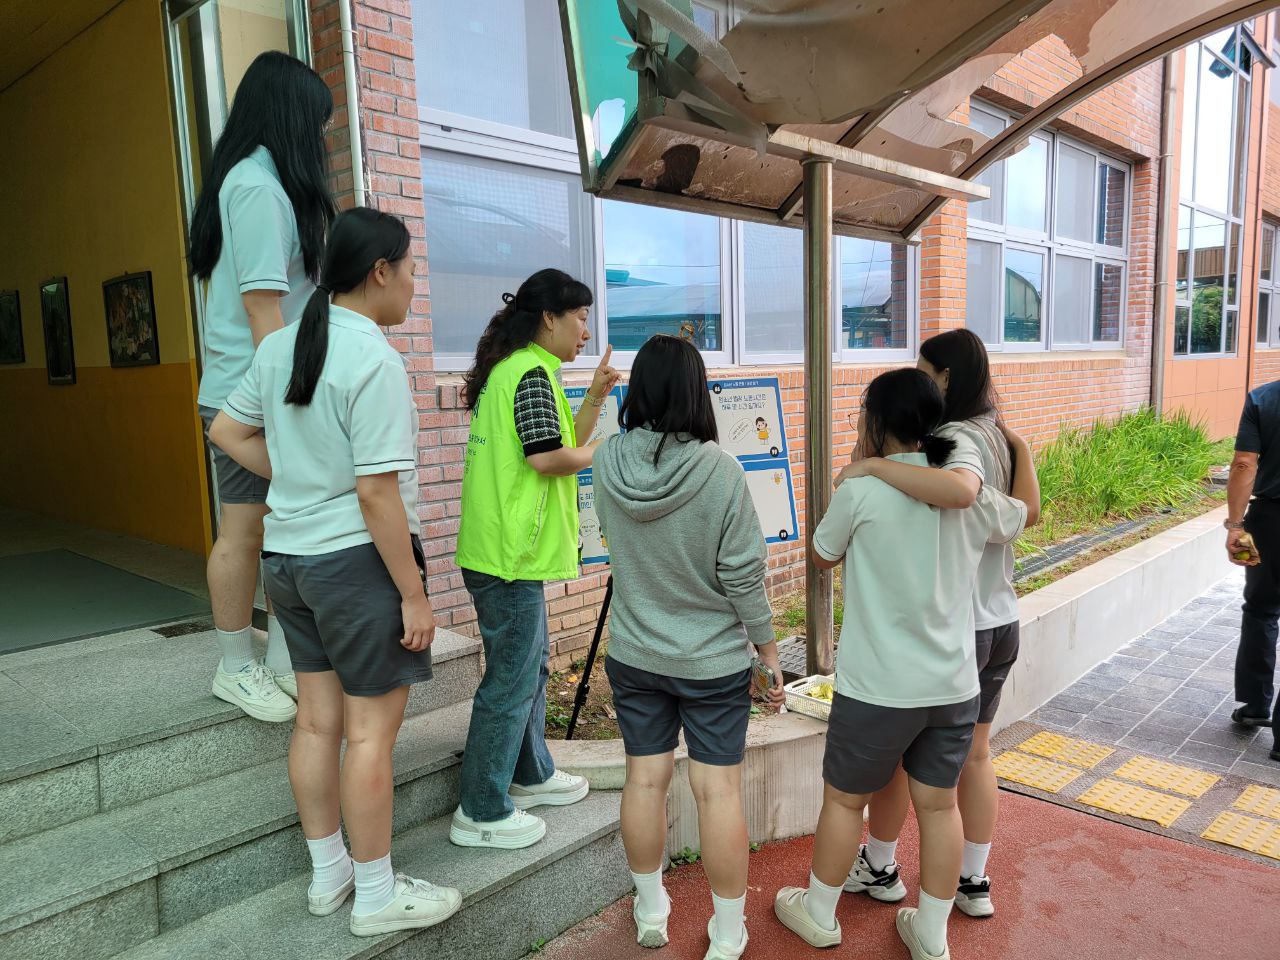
(749,417)
(769,482)
(607,422)
(591,543)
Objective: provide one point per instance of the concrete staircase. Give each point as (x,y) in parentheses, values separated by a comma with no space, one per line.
(142,818)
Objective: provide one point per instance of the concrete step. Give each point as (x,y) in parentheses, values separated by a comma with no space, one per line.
(162,862)
(511,899)
(131,718)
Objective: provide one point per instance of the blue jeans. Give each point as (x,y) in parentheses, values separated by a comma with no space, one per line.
(506,742)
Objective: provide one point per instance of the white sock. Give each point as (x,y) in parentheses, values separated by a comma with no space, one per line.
(375,885)
(237,649)
(729,926)
(651,899)
(820,900)
(330,864)
(881,853)
(277,649)
(930,923)
(974,862)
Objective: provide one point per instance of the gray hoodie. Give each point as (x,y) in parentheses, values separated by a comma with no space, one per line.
(688,557)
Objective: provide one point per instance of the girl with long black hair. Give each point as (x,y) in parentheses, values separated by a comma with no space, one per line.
(907,687)
(326,413)
(957,362)
(257,237)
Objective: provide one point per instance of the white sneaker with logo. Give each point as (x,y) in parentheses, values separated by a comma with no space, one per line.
(416,904)
(560,790)
(514,833)
(254,690)
(288,682)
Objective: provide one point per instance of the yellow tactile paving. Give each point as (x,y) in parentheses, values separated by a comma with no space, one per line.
(1168,776)
(1055,746)
(1034,772)
(1135,801)
(1247,833)
(1264,801)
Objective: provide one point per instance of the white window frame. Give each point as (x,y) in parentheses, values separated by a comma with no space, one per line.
(1270,287)
(445,132)
(1049,242)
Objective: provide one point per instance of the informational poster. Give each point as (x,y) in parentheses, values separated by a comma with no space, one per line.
(751,427)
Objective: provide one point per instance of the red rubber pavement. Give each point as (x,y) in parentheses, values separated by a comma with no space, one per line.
(1067,886)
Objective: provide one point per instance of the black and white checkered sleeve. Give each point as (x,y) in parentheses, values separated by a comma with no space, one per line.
(537,414)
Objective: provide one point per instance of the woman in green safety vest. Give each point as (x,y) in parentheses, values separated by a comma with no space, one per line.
(519,529)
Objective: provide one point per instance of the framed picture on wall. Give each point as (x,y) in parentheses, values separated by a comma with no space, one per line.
(131,320)
(59,352)
(12,349)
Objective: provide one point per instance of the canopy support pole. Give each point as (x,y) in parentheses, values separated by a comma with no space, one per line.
(819,629)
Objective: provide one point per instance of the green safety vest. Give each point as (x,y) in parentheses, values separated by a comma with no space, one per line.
(516,524)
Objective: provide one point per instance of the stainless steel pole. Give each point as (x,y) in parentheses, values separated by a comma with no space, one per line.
(819,646)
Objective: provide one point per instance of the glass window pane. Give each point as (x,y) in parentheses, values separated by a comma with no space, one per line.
(1184,251)
(1233,321)
(1072,298)
(991,211)
(707,19)
(1111,201)
(873,295)
(662,273)
(1028,174)
(774,282)
(1108,302)
(1209,236)
(1267,256)
(982,290)
(1264,316)
(1233,265)
(1023,295)
(1181,317)
(1213,133)
(489,226)
(498,60)
(1240,148)
(1075,194)
(1190,88)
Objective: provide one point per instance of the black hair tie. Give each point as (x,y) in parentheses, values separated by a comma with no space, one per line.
(508,298)
(323,289)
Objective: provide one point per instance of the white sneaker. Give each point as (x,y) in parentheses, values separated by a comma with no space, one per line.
(327,903)
(416,904)
(288,682)
(254,691)
(719,950)
(651,932)
(884,885)
(514,833)
(560,790)
(973,897)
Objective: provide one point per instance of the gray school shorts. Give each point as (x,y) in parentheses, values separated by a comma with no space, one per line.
(997,652)
(236,484)
(341,611)
(652,708)
(865,743)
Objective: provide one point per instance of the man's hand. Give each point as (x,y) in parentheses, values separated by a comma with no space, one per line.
(1235,547)
(606,377)
(775,695)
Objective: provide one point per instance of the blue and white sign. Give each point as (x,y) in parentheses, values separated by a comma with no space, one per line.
(749,417)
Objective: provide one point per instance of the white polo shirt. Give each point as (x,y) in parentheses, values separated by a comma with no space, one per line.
(260,251)
(907,639)
(361,421)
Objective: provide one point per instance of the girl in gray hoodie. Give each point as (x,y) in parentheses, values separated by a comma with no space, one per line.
(689,563)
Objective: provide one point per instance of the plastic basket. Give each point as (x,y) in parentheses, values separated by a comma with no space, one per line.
(798,698)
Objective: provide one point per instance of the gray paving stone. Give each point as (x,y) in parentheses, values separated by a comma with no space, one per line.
(1166,728)
(1092,682)
(1074,704)
(1131,700)
(1134,663)
(48,799)
(1157,748)
(1100,730)
(91,931)
(1174,660)
(1141,651)
(1208,755)
(1222,731)
(1062,719)
(1197,650)
(1109,669)
(1259,751)
(1268,773)
(1155,683)
(1192,702)
(35,737)
(1162,669)
(1116,715)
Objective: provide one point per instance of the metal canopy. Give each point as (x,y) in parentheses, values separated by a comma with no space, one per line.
(671,115)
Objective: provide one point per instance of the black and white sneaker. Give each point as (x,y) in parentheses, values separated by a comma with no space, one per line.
(973,897)
(883,885)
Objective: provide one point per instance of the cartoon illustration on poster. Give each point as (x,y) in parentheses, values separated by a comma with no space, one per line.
(749,417)
(769,483)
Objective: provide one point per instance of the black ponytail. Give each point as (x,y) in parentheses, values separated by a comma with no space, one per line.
(516,324)
(906,405)
(360,238)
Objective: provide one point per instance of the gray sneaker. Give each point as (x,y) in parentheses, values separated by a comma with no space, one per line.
(559,790)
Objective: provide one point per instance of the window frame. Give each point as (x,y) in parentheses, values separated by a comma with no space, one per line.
(443,132)
(1052,245)
(1270,287)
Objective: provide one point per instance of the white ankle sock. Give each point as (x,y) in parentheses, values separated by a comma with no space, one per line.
(729,926)
(237,649)
(881,853)
(651,899)
(930,923)
(974,861)
(820,900)
(375,885)
(330,864)
(277,649)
